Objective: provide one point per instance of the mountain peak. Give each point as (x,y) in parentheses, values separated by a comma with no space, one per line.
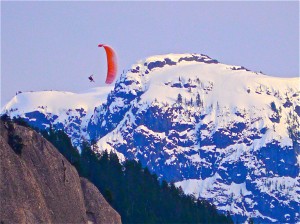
(209,127)
(159,61)
(177,58)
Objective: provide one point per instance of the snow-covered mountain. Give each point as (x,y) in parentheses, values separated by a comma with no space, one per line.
(220,132)
(63,110)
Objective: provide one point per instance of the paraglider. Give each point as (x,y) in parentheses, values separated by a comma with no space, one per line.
(91,78)
(111,63)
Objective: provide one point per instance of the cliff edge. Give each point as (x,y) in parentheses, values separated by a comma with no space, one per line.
(38,185)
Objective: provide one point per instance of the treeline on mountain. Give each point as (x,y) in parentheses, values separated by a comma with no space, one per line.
(132,190)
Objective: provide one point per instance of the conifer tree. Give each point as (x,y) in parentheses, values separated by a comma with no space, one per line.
(198,100)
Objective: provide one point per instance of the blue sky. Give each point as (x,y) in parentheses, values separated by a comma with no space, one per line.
(53,45)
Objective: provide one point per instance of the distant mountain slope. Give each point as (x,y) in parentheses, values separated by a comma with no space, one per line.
(64,110)
(221,132)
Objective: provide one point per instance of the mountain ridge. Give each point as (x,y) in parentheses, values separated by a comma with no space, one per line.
(189,117)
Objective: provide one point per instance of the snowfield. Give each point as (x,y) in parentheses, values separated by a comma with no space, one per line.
(220,132)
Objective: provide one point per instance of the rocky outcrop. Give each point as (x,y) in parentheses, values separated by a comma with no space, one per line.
(38,185)
(97,208)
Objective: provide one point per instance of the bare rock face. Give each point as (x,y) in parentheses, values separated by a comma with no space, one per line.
(97,208)
(38,185)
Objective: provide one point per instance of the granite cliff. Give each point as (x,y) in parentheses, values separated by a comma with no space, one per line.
(38,185)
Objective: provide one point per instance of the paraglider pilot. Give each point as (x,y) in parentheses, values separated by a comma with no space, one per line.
(91,78)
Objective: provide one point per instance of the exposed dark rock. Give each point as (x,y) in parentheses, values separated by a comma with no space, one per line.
(297,110)
(40,186)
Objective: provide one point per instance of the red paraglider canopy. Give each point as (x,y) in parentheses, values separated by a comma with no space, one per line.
(111,63)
